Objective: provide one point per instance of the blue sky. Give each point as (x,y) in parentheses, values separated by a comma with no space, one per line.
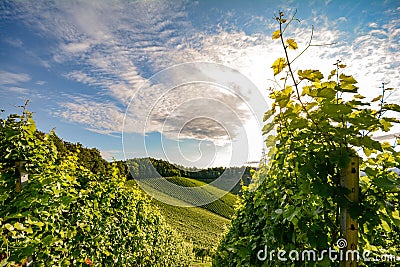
(92,69)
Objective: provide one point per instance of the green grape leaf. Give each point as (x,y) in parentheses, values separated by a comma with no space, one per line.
(268,127)
(311,75)
(370,143)
(335,109)
(270,140)
(326,93)
(279,65)
(393,107)
(347,79)
(268,114)
(386,125)
(350,88)
(384,183)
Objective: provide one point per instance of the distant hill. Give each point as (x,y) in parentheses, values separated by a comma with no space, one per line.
(202,226)
(150,168)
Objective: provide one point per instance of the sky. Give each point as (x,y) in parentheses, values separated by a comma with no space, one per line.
(185,81)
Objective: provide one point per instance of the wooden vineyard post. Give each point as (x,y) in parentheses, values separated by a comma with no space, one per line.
(349,179)
(22,175)
(21,181)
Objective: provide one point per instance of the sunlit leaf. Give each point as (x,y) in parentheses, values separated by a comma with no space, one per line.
(394,107)
(268,127)
(276,34)
(9,227)
(386,125)
(329,84)
(358,96)
(367,151)
(333,73)
(292,44)
(19,226)
(270,140)
(347,87)
(396,217)
(279,65)
(377,98)
(268,114)
(311,75)
(347,79)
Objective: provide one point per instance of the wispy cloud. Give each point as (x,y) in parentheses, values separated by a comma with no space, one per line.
(105,118)
(13,78)
(114,48)
(15,42)
(18,90)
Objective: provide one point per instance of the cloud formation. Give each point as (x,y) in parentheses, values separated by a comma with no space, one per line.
(7,77)
(115,47)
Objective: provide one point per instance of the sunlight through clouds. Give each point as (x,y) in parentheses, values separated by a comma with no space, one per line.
(112,49)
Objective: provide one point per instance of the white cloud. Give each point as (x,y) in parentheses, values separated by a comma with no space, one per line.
(118,45)
(13,78)
(114,65)
(41,82)
(81,77)
(18,90)
(14,42)
(109,155)
(373,25)
(76,47)
(104,118)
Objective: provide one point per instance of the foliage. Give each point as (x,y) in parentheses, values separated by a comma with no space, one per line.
(198,226)
(201,226)
(67,215)
(90,158)
(150,168)
(317,129)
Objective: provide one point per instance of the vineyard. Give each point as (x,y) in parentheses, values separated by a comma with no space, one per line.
(223,206)
(317,129)
(65,215)
(64,205)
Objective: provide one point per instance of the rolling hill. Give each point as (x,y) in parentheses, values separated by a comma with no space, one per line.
(202,226)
